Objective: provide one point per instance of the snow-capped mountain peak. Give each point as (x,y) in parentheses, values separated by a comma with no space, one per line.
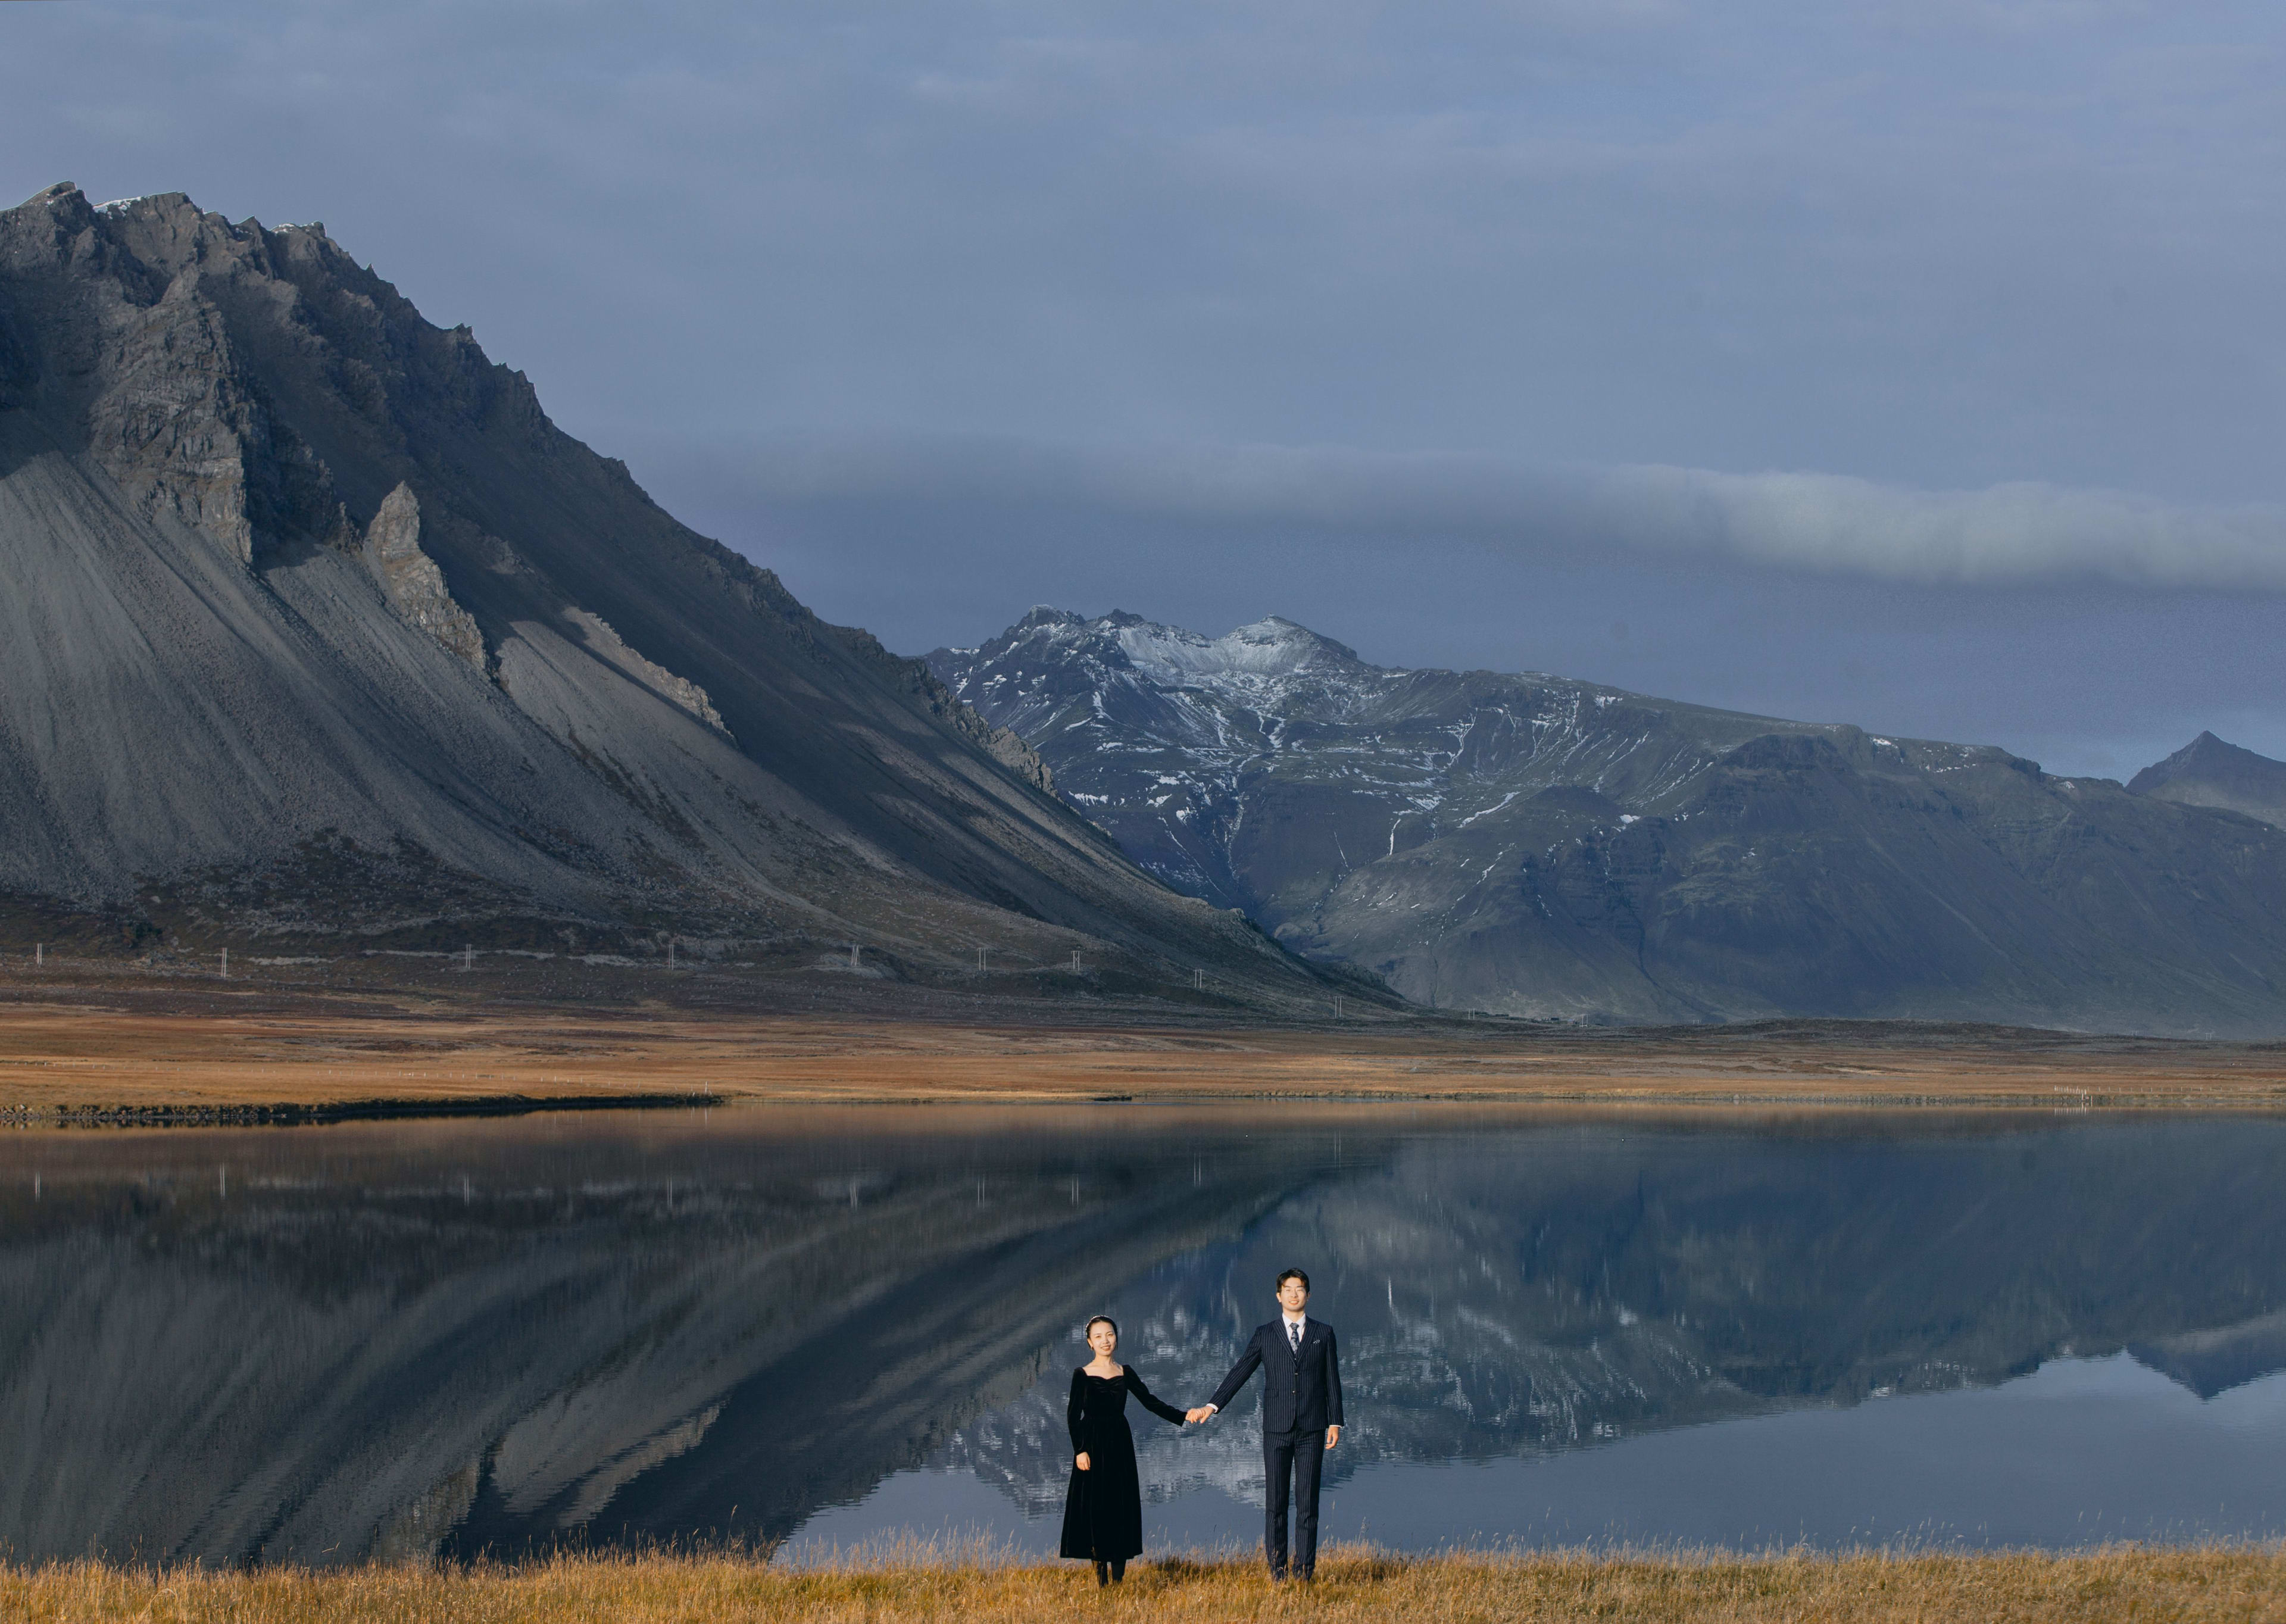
(1542,846)
(1270,649)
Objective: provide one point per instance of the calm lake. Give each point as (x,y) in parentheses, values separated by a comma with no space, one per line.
(811,1328)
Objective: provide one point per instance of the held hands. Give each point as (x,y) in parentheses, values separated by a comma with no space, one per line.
(1081,1461)
(1204,1412)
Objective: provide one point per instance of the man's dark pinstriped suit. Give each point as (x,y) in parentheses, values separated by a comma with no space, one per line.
(1301,1398)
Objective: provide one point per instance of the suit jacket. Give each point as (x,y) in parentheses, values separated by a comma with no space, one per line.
(1300,1391)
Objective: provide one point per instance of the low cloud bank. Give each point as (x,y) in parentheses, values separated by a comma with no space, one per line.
(1812,524)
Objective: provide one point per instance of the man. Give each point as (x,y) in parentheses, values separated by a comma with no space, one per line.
(1301,1417)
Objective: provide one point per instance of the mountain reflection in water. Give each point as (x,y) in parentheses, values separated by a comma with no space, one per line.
(386,1341)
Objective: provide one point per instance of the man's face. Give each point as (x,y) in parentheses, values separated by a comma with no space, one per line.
(1292,1294)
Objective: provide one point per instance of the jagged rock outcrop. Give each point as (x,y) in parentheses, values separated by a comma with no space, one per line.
(415,583)
(1546,848)
(300,593)
(1009,749)
(677,690)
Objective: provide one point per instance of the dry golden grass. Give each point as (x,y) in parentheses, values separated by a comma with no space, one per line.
(2122,1583)
(60,1057)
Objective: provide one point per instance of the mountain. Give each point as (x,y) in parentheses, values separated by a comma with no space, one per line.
(2207,772)
(314,628)
(1548,848)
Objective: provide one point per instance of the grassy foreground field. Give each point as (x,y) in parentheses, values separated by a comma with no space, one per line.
(2122,1583)
(119,1052)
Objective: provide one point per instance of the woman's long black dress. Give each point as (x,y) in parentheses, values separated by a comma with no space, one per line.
(1103,1507)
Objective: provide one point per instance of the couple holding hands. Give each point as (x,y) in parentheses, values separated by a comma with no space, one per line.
(1301,1420)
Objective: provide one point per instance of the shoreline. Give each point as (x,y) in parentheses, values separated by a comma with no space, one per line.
(293,1114)
(104,1056)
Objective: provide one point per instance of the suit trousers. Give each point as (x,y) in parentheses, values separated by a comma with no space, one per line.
(1295,1456)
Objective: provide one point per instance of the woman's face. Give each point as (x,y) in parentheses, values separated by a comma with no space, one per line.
(1102,1338)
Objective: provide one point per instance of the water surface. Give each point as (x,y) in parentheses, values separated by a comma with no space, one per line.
(816,1326)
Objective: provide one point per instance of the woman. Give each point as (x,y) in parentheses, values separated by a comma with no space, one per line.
(1103,1507)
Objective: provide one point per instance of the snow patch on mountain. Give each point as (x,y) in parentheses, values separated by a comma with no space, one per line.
(1249,660)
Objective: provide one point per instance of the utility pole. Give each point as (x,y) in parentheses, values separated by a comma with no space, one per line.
(670,952)
(853,964)
(468,957)
(980,960)
(225,964)
(1199,979)
(39,956)
(1074,961)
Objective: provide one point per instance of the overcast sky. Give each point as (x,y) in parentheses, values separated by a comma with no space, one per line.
(1917,364)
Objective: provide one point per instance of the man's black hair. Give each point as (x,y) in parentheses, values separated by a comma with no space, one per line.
(1286,1274)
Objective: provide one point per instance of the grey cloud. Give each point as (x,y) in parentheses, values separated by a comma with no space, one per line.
(2013,535)
(2009,533)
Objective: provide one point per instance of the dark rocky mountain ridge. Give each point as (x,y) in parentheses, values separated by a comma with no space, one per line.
(315,628)
(1546,847)
(2207,772)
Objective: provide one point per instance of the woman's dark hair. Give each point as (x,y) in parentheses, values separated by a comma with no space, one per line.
(1286,1274)
(1100,1320)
